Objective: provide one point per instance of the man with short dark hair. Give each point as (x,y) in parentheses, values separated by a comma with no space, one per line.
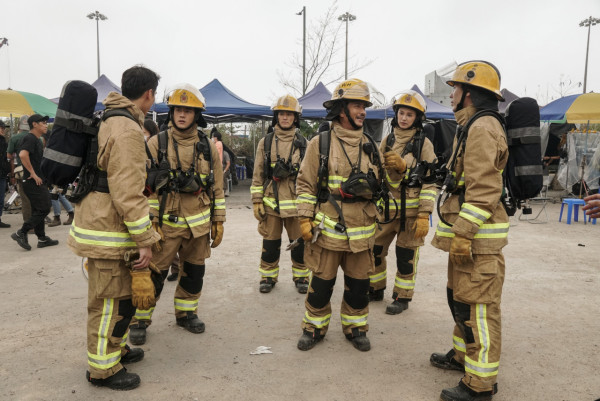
(4,168)
(112,224)
(31,151)
(16,169)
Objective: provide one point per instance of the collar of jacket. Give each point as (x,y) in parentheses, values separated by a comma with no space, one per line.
(115,100)
(404,135)
(463,115)
(350,136)
(284,135)
(187,137)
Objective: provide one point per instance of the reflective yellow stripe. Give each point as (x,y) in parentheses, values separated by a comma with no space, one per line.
(307,198)
(257,190)
(124,339)
(270,202)
(180,223)
(198,219)
(184,305)
(269,273)
(153,203)
(427,194)
(287,204)
(459,344)
(481,369)
(138,226)
(375,278)
(349,320)
(392,183)
(474,214)
(104,362)
(300,272)
(220,204)
(497,230)
(318,322)
(361,232)
(107,311)
(335,181)
(482,330)
(144,314)
(101,238)
(405,284)
(353,233)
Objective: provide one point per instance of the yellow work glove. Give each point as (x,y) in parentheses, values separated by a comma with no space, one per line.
(460,250)
(259,211)
(142,289)
(216,233)
(393,161)
(306,228)
(421,225)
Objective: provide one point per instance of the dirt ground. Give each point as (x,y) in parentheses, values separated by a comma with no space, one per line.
(551,347)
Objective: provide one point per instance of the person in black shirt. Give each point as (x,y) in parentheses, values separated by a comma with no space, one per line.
(4,169)
(30,152)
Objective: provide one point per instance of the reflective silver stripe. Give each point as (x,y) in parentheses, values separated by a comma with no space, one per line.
(519,170)
(101,238)
(183,305)
(103,332)
(68,115)
(474,214)
(481,309)
(143,314)
(526,134)
(139,228)
(203,217)
(307,198)
(110,361)
(358,320)
(62,158)
(470,366)
(318,322)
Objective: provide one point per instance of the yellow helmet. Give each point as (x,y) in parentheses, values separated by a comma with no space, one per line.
(352,89)
(478,73)
(287,103)
(412,99)
(186,95)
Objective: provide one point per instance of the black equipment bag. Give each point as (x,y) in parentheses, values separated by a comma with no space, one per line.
(73,128)
(524,170)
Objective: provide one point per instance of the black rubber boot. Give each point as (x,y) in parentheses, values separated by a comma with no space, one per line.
(46,241)
(132,355)
(376,295)
(4,225)
(21,239)
(308,340)
(359,340)
(137,333)
(396,307)
(302,285)
(191,323)
(446,361)
(266,285)
(464,393)
(119,381)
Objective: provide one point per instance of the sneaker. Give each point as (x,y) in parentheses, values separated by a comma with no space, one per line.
(119,381)
(132,355)
(302,285)
(359,340)
(191,323)
(308,340)
(137,333)
(21,239)
(4,225)
(446,361)
(46,241)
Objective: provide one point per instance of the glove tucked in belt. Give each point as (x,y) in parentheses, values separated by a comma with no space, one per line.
(460,250)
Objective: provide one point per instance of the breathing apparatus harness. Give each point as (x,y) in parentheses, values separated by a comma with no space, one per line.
(283,168)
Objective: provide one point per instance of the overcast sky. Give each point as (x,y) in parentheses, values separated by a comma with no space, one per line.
(245,44)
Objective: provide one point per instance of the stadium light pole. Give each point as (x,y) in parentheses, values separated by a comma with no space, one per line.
(97,16)
(588,23)
(346,17)
(303,13)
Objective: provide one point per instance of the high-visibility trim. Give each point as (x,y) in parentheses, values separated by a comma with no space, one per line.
(287,204)
(180,223)
(124,339)
(482,330)
(318,322)
(529,170)
(459,344)
(101,238)
(481,369)
(405,284)
(269,273)
(185,306)
(474,214)
(300,273)
(375,278)
(198,219)
(307,198)
(203,179)
(257,190)
(105,318)
(144,314)
(63,158)
(220,204)
(153,203)
(138,226)
(427,194)
(270,202)
(355,233)
(394,184)
(497,230)
(104,362)
(335,181)
(349,320)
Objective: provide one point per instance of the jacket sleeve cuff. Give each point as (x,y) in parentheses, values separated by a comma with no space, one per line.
(465,228)
(148,238)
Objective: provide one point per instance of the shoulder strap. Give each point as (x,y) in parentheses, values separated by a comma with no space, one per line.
(117,113)
(267,155)
(163,145)
(484,113)
(301,144)
(390,140)
(323,172)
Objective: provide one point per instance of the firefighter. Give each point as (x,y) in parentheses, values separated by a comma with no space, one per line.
(108,224)
(336,189)
(473,228)
(413,202)
(273,191)
(190,212)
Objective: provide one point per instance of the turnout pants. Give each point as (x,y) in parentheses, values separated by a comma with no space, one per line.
(324,265)
(271,229)
(192,254)
(407,257)
(109,313)
(474,293)
(39,197)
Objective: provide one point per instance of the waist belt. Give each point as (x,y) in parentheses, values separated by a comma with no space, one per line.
(101,184)
(338,197)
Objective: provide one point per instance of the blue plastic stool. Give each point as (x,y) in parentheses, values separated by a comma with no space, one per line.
(572,202)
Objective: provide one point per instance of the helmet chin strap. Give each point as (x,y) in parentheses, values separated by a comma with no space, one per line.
(350,119)
(460,106)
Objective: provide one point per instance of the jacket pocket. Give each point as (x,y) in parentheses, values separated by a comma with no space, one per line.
(112,278)
(479,282)
(312,258)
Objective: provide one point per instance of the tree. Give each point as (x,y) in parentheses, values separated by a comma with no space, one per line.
(324,56)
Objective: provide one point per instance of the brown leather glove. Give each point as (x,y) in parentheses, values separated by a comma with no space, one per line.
(156,247)
(142,289)
(306,228)
(259,211)
(393,161)
(460,250)
(421,225)
(216,233)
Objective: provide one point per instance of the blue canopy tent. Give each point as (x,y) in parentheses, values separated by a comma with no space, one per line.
(223,105)
(104,86)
